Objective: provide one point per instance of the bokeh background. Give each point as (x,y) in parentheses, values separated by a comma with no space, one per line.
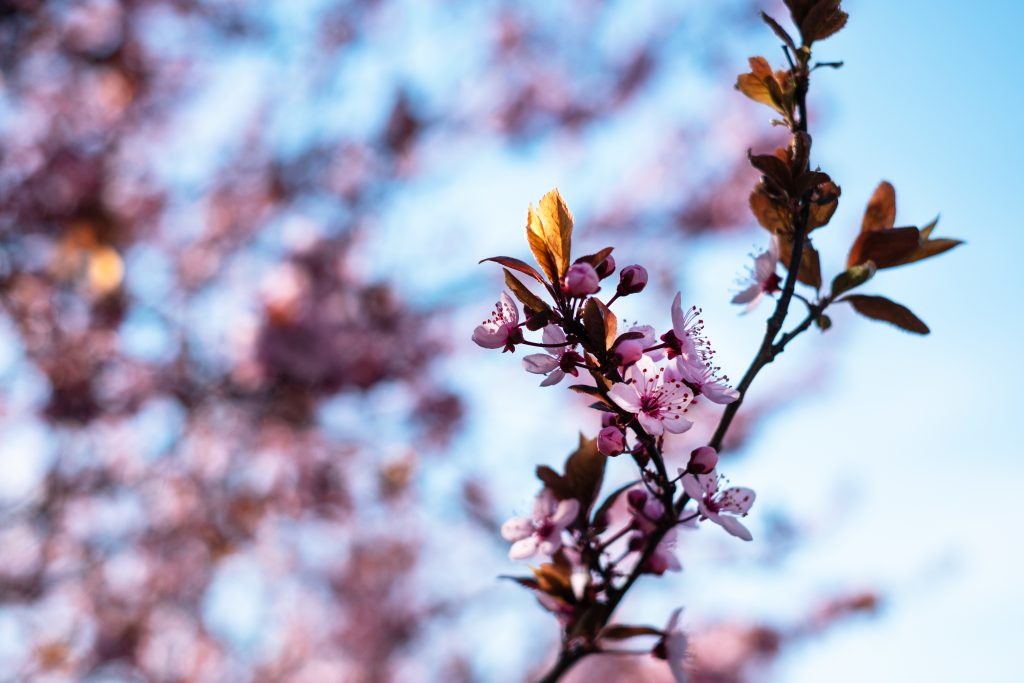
(244,435)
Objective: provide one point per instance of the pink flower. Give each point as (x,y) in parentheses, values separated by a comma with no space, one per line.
(720,506)
(649,339)
(672,647)
(627,352)
(664,559)
(658,404)
(543,532)
(501,330)
(611,441)
(581,280)
(702,376)
(762,278)
(645,509)
(556,362)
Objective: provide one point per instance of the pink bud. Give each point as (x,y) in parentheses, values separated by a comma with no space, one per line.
(611,441)
(632,279)
(581,280)
(702,460)
(636,498)
(627,352)
(608,419)
(606,267)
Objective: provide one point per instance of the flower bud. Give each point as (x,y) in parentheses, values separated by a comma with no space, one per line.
(702,460)
(581,280)
(606,267)
(632,279)
(611,441)
(636,498)
(608,419)
(627,352)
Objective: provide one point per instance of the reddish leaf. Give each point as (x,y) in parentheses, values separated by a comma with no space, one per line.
(887,248)
(880,308)
(555,482)
(600,323)
(516,264)
(779,31)
(881,211)
(584,472)
(523,293)
(769,213)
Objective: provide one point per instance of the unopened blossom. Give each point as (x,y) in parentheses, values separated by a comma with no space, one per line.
(672,647)
(702,460)
(501,330)
(627,352)
(581,280)
(698,372)
(632,279)
(646,510)
(611,441)
(648,340)
(558,360)
(721,506)
(762,278)
(606,267)
(543,532)
(658,404)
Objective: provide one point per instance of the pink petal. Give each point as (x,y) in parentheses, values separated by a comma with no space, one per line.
(516,529)
(733,526)
(565,513)
(553,334)
(678,321)
(489,336)
(692,487)
(539,363)
(551,544)
(719,393)
(676,423)
(738,499)
(523,548)
(552,379)
(510,306)
(625,396)
(652,425)
(748,294)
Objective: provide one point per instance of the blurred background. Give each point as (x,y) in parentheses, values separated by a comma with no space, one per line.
(244,435)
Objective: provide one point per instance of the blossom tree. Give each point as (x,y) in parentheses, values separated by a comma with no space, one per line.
(644,384)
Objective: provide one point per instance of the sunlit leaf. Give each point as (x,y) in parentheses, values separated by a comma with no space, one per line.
(584,472)
(852,277)
(779,31)
(536,237)
(557,229)
(881,211)
(516,264)
(887,248)
(769,213)
(525,296)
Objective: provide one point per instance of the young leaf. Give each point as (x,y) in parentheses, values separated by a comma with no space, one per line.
(823,20)
(557,229)
(536,237)
(824,202)
(599,322)
(624,631)
(555,482)
(516,264)
(769,213)
(779,31)
(810,262)
(525,296)
(881,211)
(880,308)
(852,277)
(584,472)
(887,248)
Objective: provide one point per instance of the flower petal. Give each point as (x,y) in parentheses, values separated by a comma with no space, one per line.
(554,378)
(747,295)
(516,528)
(489,336)
(676,423)
(539,363)
(625,396)
(652,425)
(737,499)
(565,513)
(553,334)
(719,393)
(733,526)
(523,548)
(678,320)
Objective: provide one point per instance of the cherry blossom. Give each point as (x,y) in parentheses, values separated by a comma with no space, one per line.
(762,278)
(687,333)
(721,506)
(672,647)
(543,532)
(632,279)
(657,403)
(702,376)
(556,362)
(501,330)
(611,441)
(664,559)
